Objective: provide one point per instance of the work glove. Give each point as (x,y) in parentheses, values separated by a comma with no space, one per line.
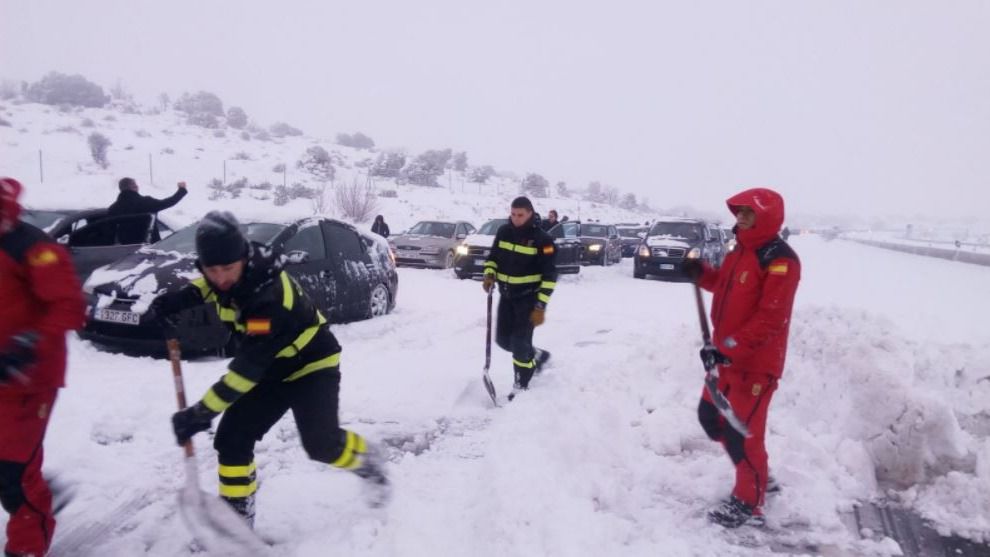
(161,312)
(692,269)
(538,315)
(711,357)
(18,356)
(190,421)
(488,283)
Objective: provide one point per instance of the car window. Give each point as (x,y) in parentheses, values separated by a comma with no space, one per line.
(470,228)
(679,230)
(344,243)
(184,241)
(460,229)
(308,239)
(571,229)
(111,231)
(611,232)
(556,232)
(594,230)
(41,219)
(442,229)
(492,226)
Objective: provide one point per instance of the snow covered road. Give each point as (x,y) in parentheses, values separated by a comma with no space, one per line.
(886,388)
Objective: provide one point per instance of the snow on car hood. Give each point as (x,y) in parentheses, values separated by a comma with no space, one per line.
(142,276)
(480,240)
(667,241)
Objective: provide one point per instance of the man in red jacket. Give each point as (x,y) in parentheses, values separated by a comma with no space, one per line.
(40,300)
(751,313)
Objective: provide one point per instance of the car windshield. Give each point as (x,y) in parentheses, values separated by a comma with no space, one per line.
(594,230)
(680,230)
(631,232)
(442,229)
(41,219)
(184,241)
(492,226)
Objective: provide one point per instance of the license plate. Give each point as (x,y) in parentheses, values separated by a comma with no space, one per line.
(479,262)
(667,266)
(117,316)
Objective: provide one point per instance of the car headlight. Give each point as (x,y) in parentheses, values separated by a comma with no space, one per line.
(730,245)
(462,250)
(695,253)
(644,251)
(595,247)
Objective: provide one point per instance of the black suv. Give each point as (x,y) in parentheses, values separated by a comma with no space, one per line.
(671,241)
(631,236)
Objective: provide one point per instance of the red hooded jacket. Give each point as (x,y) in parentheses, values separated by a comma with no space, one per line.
(39,292)
(754,289)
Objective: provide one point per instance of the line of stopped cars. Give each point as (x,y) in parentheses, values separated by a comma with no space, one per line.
(658,248)
(350,274)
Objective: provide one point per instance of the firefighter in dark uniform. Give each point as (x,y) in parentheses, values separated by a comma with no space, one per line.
(522,261)
(287,359)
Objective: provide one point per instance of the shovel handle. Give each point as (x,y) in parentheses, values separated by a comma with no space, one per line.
(175,356)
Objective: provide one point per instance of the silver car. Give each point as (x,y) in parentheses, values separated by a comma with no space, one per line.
(430,243)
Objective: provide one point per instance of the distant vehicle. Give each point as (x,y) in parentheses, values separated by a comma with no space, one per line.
(602,244)
(349,275)
(631,236)
(471,254)
(91,236)
(430,243)
(671,241)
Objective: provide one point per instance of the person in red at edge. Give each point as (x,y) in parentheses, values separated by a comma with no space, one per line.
(40,300)
(751,313)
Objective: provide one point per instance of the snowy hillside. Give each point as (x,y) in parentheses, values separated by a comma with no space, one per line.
(159,150)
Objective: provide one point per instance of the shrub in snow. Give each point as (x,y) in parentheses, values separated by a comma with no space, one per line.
(236,117)
(245,136)
(262,135)
(459,162)
(562,190)
(56,88)
(109,118)
(388,164)
(9,89)
(87,123)
(535,185)
(300,191)
(427,167)
(66,129)
(98,144)
(241,156)
(629,202)
(202,102)
(219,190)
(4,122)
(389,194)
(203,120)
(280,196)
(280,167)
(317,162)
(357,141)
(219,133)
(356,201)
(168,151)
(142,133)
(281,129)
(481,174)
(263,186)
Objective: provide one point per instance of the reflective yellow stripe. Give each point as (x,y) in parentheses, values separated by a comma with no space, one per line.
(509,246)
(238,382)
(288,292)
(214,402)
(204,288)
(491,264)
(238,491)
(528,279)
(329,361)
(237,471)
(524,364)
(548,285)
(349,457)
(226,314)
(303,339)
(543,297)
(489,271)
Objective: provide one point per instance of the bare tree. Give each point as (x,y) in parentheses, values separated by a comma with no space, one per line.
(98,144)
(356,201)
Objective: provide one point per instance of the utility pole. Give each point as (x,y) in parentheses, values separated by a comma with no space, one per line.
(225,172)
(151,171)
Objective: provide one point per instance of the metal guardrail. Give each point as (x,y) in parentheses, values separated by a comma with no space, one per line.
(942,253)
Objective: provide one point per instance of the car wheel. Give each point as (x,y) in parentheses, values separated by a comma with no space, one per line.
(449,261)
(462,276)
(638,274)
(378,302)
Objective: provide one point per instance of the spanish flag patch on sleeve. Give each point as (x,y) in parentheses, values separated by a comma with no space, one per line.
(778,268)
(258,326)
(43,258)
(548,249)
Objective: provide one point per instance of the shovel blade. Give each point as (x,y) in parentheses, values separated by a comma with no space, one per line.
(215,525)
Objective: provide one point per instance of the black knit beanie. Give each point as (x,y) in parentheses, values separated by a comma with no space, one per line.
(522,202)
(219,240)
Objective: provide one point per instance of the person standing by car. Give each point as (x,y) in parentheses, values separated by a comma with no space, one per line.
(41,300)
(551,220)
(751,311)
(287,358)
(522,262)
(379,227)
(130,202)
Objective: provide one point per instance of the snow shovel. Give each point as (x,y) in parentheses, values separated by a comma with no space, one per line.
(489,386)
(213,523)
(711,373)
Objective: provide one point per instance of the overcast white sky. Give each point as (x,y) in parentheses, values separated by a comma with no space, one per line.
(868,107)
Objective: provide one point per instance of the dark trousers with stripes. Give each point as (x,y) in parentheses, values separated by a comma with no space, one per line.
(23,491)
(749,394)
(313,400)
(514,333)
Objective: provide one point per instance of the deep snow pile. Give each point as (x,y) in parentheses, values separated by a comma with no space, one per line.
(603,455)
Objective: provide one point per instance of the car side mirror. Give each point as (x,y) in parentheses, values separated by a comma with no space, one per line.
(461,236)
(296,257)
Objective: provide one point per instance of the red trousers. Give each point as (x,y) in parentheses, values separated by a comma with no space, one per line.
(23,491)
(749,394)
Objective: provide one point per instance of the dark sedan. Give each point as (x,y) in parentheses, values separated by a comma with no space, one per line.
(602,245)
(350,275)
(471,254)
(91,236)
(631,236)
(670,242)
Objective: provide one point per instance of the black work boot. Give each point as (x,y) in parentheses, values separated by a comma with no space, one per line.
(243,506)
(541,358)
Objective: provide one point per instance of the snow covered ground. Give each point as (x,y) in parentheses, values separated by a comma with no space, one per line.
(887,391)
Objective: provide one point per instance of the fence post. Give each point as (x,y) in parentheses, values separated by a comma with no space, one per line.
(151,171)
(41,167)
(225,172)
